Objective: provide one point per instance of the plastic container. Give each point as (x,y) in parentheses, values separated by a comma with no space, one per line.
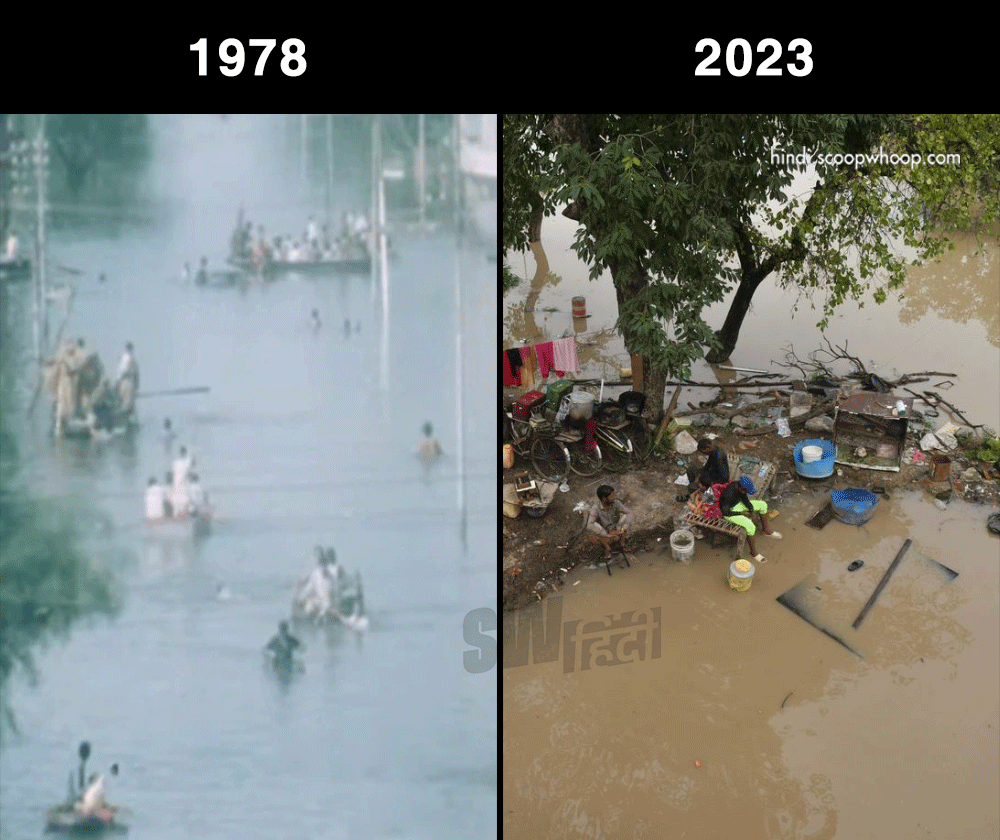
(632,402)
(854,505)
(815,469)
(579,307)
(508,456)
(682,545)
(555,392)
(581,405)
(740,575)
(811,454)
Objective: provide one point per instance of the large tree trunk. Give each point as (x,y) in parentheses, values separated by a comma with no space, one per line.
(535,226)
(630,279)
(730,332)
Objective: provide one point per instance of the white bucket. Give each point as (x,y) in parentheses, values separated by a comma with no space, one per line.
(811,453)
(682,545)
(581,405)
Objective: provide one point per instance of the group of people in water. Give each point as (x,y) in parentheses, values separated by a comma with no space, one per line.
(181,494)
(80,390)
(326,594)
(315,244)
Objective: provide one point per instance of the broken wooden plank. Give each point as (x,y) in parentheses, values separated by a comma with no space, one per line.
(881,584)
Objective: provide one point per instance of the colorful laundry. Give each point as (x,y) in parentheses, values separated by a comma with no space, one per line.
(564,354)
(510,377)
(546,361)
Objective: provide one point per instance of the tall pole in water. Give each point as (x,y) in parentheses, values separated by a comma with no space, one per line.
(42,276)
(329,167)
(303,157)
(460,401)
(421,170)
(383,253)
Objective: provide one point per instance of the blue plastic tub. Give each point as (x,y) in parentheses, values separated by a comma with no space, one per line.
(853,505)
(817,469)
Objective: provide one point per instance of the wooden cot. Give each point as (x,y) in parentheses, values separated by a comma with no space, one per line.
(750,467)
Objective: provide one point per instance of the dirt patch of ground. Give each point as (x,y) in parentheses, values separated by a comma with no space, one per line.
(538,552)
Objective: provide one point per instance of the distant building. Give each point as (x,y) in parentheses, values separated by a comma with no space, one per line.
(477,139)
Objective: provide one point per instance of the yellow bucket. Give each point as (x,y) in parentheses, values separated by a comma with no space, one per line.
(508,456)
(740,575)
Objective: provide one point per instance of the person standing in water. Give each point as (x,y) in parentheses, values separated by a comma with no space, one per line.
(429,450)
(282,646)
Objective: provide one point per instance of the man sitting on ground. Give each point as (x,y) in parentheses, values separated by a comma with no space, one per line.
(608,521)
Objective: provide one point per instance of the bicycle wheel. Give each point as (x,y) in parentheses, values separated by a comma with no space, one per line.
(551,459)
(585,463)
(642,440)
(616,452)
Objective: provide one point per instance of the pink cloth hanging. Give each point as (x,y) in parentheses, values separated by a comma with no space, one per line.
(564,354)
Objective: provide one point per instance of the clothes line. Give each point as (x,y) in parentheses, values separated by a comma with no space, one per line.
(518,363)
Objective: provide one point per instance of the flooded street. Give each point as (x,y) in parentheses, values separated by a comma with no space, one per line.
(661,703)
(896,740)
(383,735)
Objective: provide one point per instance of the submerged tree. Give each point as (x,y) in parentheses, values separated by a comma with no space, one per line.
(683,208)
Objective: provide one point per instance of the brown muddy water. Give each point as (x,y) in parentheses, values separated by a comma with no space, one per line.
(948,320)
(890,732)
(894,737)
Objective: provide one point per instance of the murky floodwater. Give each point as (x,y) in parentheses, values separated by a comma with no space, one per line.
(895,739)
(889,732)
(388,736)
(949,321)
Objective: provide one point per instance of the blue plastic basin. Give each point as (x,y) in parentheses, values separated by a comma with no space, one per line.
(817,469)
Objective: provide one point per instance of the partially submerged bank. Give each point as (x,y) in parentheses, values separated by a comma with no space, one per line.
(538,552)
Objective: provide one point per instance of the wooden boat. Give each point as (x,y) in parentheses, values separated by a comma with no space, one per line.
(16,270)
(361,263)
(80,429)
(65,819)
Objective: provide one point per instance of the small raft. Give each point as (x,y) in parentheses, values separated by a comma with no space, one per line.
(65,819)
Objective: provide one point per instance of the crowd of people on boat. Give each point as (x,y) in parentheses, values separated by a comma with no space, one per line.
(315,244)
(83,396)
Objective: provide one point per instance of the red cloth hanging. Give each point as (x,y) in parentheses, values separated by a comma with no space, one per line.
(510,377)
(590,436)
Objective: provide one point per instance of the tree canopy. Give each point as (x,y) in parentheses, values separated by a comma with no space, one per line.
(683,208)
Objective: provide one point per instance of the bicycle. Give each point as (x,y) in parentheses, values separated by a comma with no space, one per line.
(621,428)
(537,439)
